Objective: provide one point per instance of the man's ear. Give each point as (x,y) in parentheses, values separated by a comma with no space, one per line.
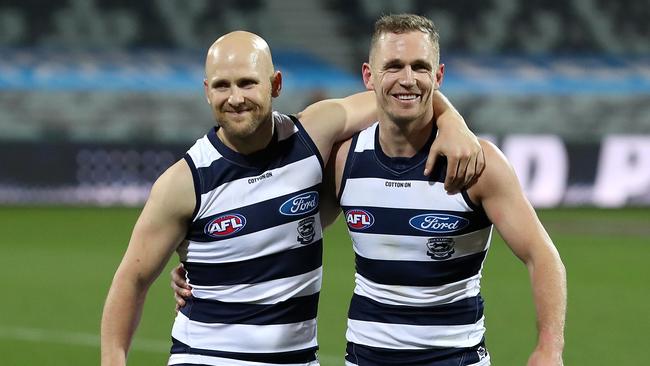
(206,90)
(276,84)
(440,73)
(366,72)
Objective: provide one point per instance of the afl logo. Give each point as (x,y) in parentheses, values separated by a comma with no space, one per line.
(301,204)
(359,219)
(225,225)
(438,223)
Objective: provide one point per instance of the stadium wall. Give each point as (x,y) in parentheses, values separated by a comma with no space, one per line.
(613,172)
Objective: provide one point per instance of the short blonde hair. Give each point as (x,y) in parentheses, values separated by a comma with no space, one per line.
(405,23)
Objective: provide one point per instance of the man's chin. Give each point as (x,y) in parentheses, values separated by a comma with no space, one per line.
(402,118)
(236,118)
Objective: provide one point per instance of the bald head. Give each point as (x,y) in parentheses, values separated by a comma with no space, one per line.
(239,48)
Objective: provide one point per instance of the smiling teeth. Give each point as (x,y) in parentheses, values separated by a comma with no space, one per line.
(406,96)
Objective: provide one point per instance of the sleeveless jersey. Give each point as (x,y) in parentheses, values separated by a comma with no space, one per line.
(419,254)
(253,253)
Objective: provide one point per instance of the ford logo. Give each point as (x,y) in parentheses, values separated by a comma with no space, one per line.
(301,204)
(359,219)
(438,223)
(225,225)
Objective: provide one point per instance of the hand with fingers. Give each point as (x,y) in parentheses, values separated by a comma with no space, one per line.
(465,159)
(182,290)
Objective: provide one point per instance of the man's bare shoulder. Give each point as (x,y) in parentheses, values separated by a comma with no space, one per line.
(174,189)
(497,175)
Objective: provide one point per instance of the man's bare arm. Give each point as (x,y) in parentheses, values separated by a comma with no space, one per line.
(157,233)
(499,192)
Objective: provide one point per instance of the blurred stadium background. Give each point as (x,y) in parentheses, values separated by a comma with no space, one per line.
(98,97)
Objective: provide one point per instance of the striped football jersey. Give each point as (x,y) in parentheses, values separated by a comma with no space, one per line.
(253,253)
(419,253)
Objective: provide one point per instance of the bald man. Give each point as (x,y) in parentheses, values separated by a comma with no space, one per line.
(242,211)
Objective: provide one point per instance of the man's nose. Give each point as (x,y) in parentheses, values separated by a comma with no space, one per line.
(407,77)
(236,97)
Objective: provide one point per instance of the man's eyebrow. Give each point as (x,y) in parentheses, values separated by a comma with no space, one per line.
(214,82)
(423,63)
(392,62)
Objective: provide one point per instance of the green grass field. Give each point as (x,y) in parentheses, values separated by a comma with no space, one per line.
(57,264)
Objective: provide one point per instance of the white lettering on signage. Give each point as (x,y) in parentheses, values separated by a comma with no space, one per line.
(623,170)
(541,163)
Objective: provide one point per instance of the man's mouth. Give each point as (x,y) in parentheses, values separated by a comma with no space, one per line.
(406,97)
(237,111)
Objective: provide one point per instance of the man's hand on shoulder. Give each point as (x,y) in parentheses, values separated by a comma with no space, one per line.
(465,158)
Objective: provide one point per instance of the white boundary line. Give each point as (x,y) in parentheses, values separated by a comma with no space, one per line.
(75,338)
(41,335)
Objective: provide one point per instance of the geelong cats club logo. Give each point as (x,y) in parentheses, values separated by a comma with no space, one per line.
(306,231)
(225,225)
(359,219)
(440,248)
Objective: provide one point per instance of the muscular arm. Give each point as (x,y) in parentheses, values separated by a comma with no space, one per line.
(157,233)
(335,120)
(499,192)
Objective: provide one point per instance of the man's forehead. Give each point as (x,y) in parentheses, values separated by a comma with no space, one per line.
(248,63)
(406,47)
(413,37)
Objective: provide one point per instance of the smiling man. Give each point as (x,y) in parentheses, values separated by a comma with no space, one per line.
(242,211)
(420,251)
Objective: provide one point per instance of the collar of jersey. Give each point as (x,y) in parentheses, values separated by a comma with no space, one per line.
(257,159)
(400,165)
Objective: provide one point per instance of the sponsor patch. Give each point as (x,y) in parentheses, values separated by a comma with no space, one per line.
(301,204)
(306,231)
(225,225)
(440,248)
(438,223)
(359,219)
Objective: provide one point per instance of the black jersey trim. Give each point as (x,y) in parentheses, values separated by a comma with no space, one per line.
(349,163)
(308,140)
(197,186)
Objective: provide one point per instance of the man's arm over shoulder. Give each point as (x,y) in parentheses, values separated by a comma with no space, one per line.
(333,120)
(465,160)
(503,199)
(159,230)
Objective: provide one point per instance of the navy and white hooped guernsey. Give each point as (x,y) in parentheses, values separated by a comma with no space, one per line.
(419,254)
(253,253)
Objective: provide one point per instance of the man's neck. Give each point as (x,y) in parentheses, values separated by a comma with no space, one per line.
(257,141)
(404,140)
